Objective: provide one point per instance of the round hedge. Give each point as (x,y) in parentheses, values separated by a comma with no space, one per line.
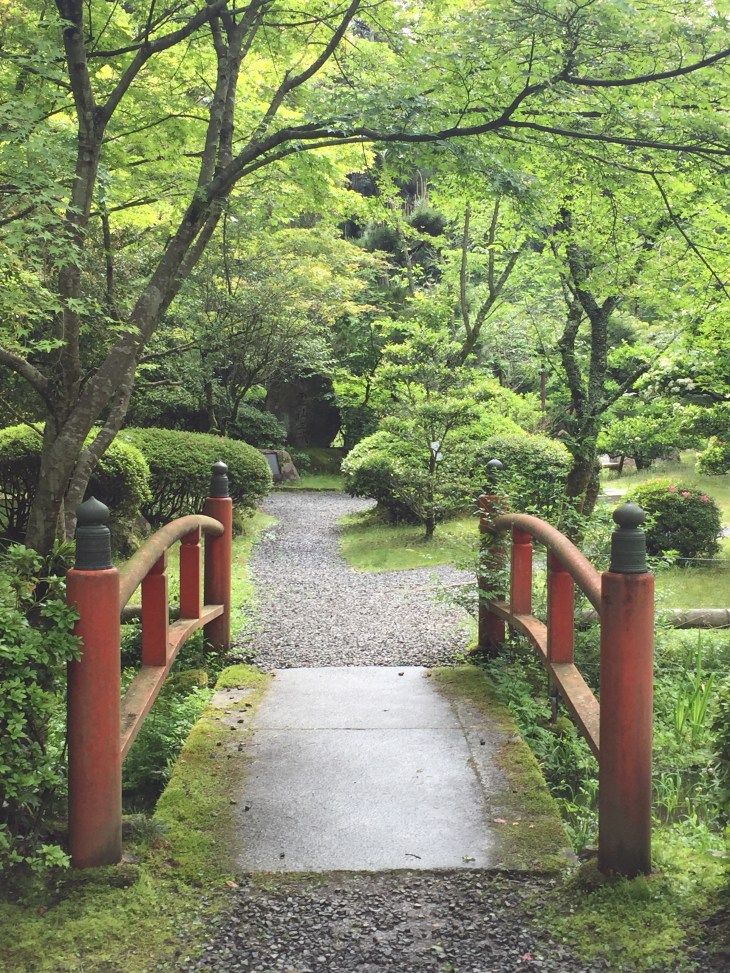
(535,470)
(258,428)
(121,480)
(714,460)
(388,465)
(680,518)
(376,467)
(180,465)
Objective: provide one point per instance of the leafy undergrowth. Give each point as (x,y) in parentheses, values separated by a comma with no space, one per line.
(154,907)
(370,544)
(649,923)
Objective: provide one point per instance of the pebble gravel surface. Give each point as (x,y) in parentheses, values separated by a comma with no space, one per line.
(313,609)
(463,922)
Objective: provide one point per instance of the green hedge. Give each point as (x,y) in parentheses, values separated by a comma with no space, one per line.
(121,480)
(680,518)
(535,470)
(258,428)
(180,465)
(714,460)
(391,464)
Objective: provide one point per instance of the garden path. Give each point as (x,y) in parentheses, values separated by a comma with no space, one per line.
(313,609)
(374,811)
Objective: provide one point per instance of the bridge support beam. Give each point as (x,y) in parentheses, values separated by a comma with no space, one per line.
(93,697)
(218,557)
(491,628)
(627,649)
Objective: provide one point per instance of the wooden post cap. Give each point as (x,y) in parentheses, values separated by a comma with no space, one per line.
(628,541)
(219,480)
(93,537)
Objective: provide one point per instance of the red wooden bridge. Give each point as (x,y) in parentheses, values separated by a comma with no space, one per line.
(102,725)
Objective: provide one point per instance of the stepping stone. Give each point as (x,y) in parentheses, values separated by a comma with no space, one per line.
(361,768)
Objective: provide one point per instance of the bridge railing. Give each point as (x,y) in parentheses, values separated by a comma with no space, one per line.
(619,729)
(101,725)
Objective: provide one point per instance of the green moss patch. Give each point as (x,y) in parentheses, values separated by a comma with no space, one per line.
(524,815)
(647,923)
(156,906)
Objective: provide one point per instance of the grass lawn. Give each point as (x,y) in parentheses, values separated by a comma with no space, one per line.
(315,481)
(706,586)
(370,544)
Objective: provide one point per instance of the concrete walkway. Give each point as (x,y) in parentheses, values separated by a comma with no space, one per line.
(361,768)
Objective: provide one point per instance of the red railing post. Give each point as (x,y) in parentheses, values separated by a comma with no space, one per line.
(94,750)
(191,588)
(155,615)
(560,612)
(521,573)
(218,555)
(627,647)
(491,628)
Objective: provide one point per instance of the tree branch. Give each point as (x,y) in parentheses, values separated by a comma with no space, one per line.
(647,78)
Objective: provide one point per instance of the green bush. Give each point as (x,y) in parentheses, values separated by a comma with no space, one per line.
(535,469)
(258,428)
(36,642)
(714,460)
(180,465)
(391,467)
(121,480)
(378,467)
(680,518)
(644,438)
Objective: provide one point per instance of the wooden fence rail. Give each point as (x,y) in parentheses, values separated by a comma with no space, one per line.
(101,725)
(619,730)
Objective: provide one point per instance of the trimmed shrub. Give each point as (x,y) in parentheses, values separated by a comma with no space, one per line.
(535,471)
(258,428)
(180,464)
(121,480)
(378,468)
(714,460)
(680,518)
(391,467)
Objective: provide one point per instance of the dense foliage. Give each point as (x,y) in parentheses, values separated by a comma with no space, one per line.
(180,467)
(258,428)
(534,471)
(681,518)
(121,480)
(36,642)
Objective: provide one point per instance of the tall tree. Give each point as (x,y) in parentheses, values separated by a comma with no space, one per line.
(166,121)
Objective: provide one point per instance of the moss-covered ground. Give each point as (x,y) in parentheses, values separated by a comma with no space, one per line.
(153,908)
(673,920)
(526,817)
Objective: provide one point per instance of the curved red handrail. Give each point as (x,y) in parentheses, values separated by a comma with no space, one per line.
(139,565)
(573,560)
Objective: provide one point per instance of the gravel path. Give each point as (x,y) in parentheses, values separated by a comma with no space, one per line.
(314,610)
(463,922)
